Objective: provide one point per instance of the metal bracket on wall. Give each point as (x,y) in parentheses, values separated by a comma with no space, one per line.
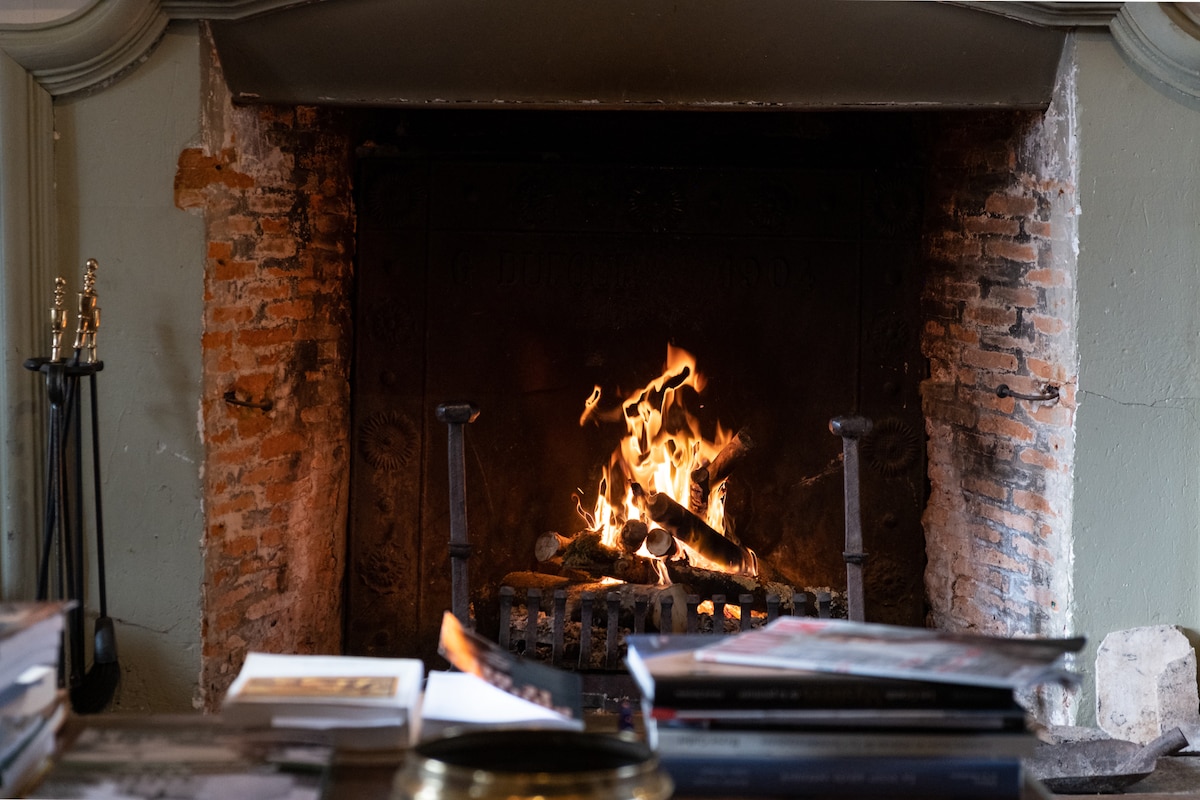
(1048,395)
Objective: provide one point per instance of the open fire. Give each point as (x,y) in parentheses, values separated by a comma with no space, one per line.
(662,494)
(661,533)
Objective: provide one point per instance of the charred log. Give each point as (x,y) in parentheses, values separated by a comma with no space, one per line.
(633,534)
(708,475)
(549,545)
(693,532)
(661,544)
(586,553)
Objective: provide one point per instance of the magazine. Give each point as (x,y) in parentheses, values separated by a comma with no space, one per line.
(893,651)
(554,689)
(668,673)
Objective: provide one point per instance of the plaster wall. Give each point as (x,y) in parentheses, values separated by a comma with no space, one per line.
(115,156)
(1137,527)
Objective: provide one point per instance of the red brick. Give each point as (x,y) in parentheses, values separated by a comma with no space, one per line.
(1012,251)
(1011,206)
(265,337)
(276,226)
(283,444)
(1048,277)
(992,225)
(1008,518)
(986,487)
(985,359)
(1056,415)
(1042,459)
(992,316)
(220,250)
(229,270)
(1042,230)
(964,334)
(960,290)
(276,247)
(1033,502)
(1006,427)
(1050,326)
(1020,297)
(237,315)
(290,310)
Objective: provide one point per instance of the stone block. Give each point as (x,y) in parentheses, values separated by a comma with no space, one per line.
(1146,683)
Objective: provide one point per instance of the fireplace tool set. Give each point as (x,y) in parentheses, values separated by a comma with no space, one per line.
(61,568)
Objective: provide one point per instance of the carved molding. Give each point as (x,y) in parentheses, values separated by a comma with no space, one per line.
(90,48)
(1163,39)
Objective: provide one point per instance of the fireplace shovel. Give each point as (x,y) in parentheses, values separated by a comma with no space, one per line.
(99,684)
(1102,766)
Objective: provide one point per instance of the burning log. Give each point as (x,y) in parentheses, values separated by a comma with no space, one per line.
(634,569)
(586,553)
(633,533)
(661,544)
(697,535)
(549,545)
(708,475)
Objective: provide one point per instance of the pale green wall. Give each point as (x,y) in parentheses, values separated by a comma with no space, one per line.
(115,163)
(1138,425)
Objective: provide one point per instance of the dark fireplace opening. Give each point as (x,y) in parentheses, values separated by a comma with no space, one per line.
(518,260)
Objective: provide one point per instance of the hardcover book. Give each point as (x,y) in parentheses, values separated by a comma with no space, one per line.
(30,636)
(326,692)
(923,778)
(789,745)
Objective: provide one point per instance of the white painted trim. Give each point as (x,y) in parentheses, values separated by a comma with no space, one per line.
(27,255)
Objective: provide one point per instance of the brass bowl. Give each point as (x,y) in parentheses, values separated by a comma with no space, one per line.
(505,764)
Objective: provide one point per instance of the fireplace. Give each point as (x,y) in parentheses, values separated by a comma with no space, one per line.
(518,260)
(366,265)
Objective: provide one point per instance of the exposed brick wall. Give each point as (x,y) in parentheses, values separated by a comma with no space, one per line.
(999,309)
(274,187)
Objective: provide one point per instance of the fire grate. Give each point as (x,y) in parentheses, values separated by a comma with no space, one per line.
(595,641)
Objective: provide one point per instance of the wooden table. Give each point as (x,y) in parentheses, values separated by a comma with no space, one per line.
(359,778)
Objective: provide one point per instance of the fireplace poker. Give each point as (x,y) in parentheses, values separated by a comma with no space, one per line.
(455,415)
(851,429)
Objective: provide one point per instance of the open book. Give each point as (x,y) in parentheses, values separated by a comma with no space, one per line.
(461,701)
(893,651)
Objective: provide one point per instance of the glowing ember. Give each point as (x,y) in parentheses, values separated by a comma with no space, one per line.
(663,447)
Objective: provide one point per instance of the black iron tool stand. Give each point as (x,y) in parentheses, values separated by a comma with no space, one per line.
(61,567)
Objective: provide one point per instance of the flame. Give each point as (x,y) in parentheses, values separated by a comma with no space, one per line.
(662,446)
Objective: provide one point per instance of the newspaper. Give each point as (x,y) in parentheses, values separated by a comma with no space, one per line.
(893,651)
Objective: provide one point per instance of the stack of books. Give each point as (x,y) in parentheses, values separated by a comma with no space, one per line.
(348,702)
(32,704)
(809,708)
